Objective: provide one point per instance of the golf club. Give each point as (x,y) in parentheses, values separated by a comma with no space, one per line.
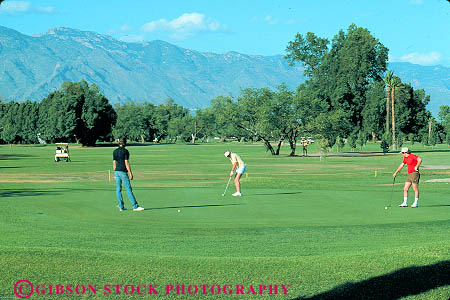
(392,192)
(226,187)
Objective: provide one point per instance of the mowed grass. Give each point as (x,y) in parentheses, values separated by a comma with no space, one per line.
(320,227)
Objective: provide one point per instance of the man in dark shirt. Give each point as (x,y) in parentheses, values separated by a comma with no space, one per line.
(122,172)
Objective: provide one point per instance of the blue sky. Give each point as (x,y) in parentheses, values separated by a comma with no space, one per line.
(417,31)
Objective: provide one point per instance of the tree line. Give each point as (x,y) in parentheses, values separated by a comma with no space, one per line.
(349,95)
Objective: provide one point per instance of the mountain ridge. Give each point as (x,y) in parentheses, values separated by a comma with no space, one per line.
(33,66)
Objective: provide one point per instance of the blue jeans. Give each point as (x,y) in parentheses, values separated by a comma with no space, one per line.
(123,177)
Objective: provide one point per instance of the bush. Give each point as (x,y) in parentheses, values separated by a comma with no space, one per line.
(385,142)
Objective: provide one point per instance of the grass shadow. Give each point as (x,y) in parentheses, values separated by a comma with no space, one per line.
(436,205)
(26,193)
(434,151)
(281,193)
(396,285)
(14,156)
(130,144)
(194,206)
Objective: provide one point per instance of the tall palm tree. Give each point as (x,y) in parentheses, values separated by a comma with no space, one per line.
(395,83)
(388,80)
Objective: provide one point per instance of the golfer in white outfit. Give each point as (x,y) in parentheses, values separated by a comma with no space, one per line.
(239,166)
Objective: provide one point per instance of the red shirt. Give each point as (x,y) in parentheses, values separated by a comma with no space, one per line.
(411,162)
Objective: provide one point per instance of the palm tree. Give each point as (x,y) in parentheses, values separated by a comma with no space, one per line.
(388,80)
(395,83)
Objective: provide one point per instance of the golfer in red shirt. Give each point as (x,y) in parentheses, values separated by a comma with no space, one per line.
(413,162)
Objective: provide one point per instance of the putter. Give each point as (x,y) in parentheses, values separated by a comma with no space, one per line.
(392,192)
(226,187)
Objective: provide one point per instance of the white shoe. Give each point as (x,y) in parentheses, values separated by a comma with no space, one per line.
(236,194)
(403,204)
(415,204)
(121,209)
(138,208)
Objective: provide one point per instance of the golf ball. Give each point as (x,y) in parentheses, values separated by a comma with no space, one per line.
(385,207)
(179,210)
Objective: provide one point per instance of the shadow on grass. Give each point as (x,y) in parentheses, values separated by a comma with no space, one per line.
(26,193)
(115,145)
(396,285)
(194,206)
(436,205)
(10,167)
(14,156)
(270,194)
(434,151)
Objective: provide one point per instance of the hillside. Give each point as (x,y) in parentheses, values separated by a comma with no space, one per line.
(32,66)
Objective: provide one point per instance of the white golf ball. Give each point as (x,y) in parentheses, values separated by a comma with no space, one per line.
(385,207)
(179,210)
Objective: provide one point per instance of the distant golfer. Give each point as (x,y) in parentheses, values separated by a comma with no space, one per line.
(239,166)
(413,162)
(123,174)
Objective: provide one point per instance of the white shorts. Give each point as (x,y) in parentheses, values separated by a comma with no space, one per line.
(241,170)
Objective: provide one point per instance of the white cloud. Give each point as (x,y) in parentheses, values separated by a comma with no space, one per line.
(17,7)
(185,26)
(126,27)
(47,10)
(270,20)
(290,22)
(431,58)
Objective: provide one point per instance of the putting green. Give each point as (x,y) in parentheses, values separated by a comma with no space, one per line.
(319,227)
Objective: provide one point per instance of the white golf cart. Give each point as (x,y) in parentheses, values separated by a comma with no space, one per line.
(62,152)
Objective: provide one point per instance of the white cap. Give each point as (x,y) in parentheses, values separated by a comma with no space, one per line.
(227,153)
(404,150)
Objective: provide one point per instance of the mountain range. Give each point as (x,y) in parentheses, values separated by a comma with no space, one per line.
(33,66)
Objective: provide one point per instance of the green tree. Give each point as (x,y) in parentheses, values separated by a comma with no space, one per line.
(385,140)
(163,115)
(77,111)
(255,110)
(411,115)
(411,138)
(425,139)
(10,124)
(148,111)
(388,81)
(130,122)
(309,50)
(401,137)
(340,143)
(444,116)
(384,146)
(285,117)
(201,125)
(395,84)
(226,115)
(351,141)
(335,94)
(362,139)
(373,121)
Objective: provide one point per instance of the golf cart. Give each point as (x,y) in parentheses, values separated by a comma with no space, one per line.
(62,152)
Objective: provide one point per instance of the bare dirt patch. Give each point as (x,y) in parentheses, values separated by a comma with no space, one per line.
(440,167)
(438,180)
